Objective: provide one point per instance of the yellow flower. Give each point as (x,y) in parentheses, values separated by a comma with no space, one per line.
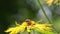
(50,2)
(56,1)
(28,26)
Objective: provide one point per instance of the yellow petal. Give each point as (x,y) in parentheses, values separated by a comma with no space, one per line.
(16,29)
(32,23)
(49,2)
(43,27)
(28,28)
(17,23)
(9,29)
(56,1)
(24,24)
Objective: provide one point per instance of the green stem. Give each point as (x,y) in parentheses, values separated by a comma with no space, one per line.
(45,13)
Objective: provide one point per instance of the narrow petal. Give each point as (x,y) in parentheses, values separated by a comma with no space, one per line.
(9,29)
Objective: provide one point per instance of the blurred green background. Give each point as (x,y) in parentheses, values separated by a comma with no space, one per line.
(20,10)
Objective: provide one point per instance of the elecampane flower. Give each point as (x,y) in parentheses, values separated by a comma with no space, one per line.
(50,2)
(28,26)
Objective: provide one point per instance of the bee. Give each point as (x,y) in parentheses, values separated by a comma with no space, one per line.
(30,22)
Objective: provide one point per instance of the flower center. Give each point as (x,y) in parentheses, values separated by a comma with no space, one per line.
(29,22)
